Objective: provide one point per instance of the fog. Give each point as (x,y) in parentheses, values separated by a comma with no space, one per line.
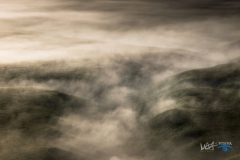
(110,52)
(46,30)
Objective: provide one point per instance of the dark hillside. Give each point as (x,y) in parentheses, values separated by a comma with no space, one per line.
(206,108)
(27,122)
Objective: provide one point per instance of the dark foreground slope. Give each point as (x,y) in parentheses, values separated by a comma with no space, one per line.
(205,108)
(28,119)
(173,117)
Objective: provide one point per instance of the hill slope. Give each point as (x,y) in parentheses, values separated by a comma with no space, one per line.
(28,118)
(174,116)
(205,108)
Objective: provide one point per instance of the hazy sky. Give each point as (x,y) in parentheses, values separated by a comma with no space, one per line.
(55,29)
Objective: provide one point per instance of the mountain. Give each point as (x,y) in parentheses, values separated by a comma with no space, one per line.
(28,119)
(166,120)
(205,108)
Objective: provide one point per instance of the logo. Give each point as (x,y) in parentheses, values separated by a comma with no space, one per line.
(225,146)
(220,145)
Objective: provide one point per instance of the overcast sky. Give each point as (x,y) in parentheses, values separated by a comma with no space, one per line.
(40,30)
